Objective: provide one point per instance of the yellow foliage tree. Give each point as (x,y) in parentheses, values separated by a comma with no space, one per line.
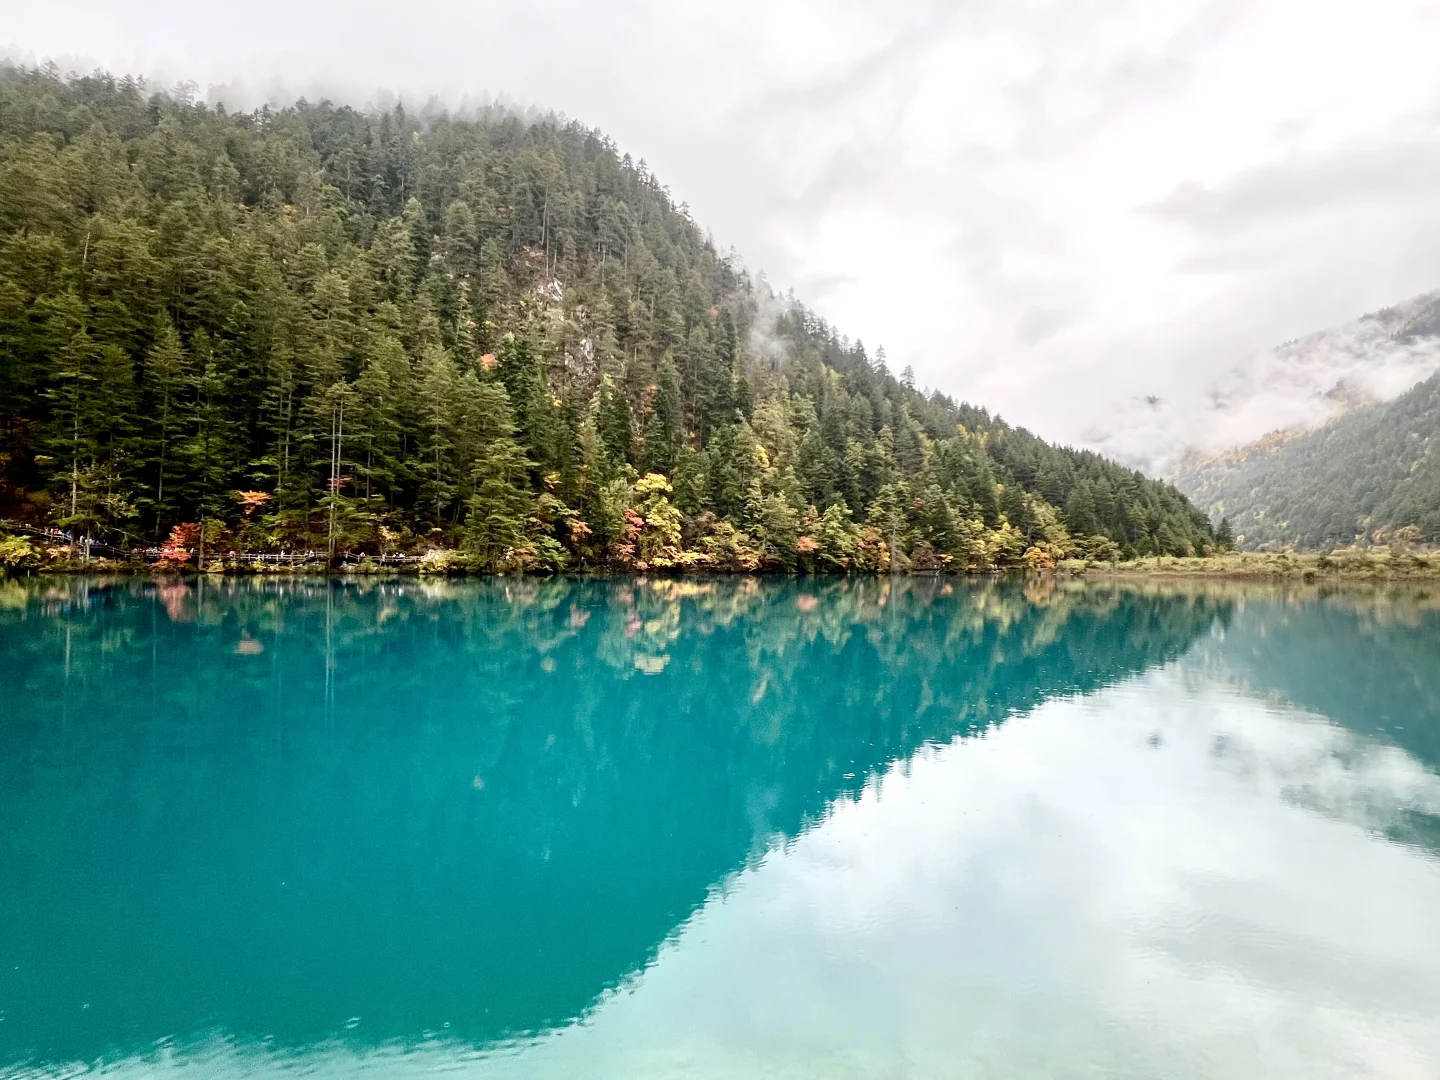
(659,536)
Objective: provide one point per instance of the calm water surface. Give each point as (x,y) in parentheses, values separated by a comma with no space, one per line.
(728,828)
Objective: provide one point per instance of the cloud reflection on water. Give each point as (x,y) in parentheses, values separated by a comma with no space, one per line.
(1167,878)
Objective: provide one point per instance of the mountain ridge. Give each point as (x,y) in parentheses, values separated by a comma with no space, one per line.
(1297,385)
(1364,476)
(493,338)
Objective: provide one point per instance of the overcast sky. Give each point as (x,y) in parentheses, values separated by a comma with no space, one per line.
(1049,207)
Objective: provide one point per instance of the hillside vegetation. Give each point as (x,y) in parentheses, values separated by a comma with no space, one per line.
(1364,477)
(320,328)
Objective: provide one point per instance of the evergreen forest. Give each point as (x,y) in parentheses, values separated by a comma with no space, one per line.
(491,337)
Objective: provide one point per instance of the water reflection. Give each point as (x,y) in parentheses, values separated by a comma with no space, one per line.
(272,807)
(1367,659)
(353,822)
(1086,891)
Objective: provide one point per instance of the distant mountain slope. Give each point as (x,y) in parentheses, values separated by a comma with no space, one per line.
(1375,469)
(1297,386)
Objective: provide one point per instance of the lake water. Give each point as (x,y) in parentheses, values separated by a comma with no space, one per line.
(734,828)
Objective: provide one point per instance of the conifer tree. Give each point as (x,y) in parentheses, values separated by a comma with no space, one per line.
(663,427)
(1225,535)
(614,424)
(498,509)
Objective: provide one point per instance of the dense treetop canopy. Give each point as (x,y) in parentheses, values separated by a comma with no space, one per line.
(317,326)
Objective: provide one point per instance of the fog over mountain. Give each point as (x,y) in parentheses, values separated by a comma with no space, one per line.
(1056,210)
(1293,387)
(1370,476)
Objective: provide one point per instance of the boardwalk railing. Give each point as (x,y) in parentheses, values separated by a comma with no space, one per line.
(350,558)
(85,545)
(88,547)
(272,558)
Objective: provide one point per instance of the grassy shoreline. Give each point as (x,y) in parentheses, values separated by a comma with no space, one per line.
(1378,567)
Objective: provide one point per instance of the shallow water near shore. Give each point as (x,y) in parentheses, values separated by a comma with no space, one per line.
(732,827)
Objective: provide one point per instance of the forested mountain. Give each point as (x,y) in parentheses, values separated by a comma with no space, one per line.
(1365,476)
(1295,386)
(315,327)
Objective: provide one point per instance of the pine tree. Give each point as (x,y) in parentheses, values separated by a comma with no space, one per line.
(164,383)
(73,411)
(439,382)
(1080,515)
(384,420)
(663,427)
(1225,535)
(614,424)
(496,524)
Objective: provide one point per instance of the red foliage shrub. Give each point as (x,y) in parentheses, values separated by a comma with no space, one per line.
(178,547)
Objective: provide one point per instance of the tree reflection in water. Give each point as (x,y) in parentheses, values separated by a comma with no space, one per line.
(266,807)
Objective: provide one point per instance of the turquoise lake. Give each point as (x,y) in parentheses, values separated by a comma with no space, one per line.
(630,828)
